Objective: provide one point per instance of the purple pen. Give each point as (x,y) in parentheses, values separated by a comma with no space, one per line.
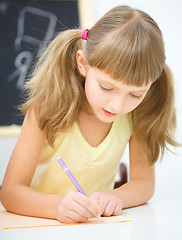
(70,175)
(72,178)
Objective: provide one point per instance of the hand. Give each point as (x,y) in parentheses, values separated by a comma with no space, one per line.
(75,207)
(109,204)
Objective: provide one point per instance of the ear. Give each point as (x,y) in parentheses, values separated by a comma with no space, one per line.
(81,62)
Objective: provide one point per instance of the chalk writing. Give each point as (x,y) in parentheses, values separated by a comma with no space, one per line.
(24,59)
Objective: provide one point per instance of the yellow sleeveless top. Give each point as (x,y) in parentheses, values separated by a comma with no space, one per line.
(94,168)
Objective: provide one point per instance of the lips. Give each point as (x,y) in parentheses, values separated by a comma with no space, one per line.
(109,114)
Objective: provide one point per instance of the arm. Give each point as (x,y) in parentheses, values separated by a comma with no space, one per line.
(141,186)
(18,197)
(137,191)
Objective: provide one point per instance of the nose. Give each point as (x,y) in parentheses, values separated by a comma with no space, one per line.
(117,104)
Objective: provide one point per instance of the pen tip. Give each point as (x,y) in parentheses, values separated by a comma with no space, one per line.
(100,219)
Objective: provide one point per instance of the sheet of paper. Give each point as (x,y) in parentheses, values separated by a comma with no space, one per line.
(14,221)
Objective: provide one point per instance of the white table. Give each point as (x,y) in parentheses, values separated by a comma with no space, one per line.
(153,221)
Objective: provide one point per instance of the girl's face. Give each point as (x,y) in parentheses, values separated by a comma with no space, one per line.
(108,98)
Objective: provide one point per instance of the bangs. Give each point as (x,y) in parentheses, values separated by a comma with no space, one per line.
(130,53)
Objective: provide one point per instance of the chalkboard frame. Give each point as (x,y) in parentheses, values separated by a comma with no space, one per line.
(85,21)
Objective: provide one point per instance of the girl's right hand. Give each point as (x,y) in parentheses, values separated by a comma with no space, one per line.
(75,207)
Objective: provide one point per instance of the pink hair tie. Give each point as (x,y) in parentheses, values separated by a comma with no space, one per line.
(84,34)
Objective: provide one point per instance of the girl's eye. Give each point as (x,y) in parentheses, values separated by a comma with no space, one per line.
(105,88)
(135,96)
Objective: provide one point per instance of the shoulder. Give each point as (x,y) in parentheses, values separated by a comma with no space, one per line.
(31,127)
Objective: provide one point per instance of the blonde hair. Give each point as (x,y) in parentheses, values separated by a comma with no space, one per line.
(56,88)
(125,43)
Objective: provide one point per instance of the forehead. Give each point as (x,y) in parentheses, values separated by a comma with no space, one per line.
(103,77)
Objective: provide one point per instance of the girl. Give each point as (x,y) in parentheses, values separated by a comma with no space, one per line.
(85,103)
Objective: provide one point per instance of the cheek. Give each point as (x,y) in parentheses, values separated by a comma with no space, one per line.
(135,104)
(93,95)
(132,104)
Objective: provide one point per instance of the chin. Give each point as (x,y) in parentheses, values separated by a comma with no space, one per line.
(105,119)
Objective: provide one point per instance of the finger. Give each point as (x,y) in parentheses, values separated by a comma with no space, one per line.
(103,202)
(96,197)
(78,208)
(76,217)
(71,208)
(66,220)
(113,208)
(109,209)
(72,214)
(117,210)
(72,219)
(89,204)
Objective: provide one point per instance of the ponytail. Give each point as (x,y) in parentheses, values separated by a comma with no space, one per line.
(55,89)
(154,120)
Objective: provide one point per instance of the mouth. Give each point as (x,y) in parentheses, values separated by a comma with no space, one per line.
(109,114)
